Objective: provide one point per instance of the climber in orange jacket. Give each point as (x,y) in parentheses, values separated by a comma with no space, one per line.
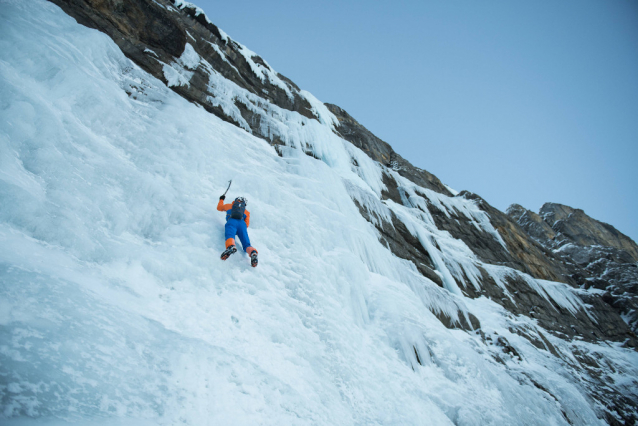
(237,221)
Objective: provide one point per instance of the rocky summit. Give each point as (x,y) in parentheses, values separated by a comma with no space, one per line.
(545,302)
(599,255)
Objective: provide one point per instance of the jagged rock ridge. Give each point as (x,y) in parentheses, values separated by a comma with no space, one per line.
(598,254)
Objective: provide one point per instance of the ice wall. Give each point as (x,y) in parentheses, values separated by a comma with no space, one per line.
(115,307)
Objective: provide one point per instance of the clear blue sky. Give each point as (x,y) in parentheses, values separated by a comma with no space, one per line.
(518,101)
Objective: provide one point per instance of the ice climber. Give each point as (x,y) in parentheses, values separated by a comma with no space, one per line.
(237,221)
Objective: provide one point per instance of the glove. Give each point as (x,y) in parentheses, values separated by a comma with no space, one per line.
(223,197)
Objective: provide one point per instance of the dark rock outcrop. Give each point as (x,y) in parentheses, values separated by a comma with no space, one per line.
(154,34)
(519,251)
(532,223)
(574,226)
(597,254)
(382,152)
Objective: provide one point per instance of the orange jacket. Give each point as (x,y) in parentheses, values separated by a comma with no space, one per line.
(225,207)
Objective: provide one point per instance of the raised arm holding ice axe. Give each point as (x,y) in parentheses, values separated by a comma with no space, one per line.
(237,221)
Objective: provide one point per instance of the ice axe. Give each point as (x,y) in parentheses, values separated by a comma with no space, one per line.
(229,182)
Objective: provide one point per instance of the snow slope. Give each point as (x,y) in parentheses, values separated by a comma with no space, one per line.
(115,307)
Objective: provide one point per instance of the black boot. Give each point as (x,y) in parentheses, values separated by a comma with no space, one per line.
(253,259)
(229,250)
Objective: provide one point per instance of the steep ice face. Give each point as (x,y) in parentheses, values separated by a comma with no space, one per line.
(114,304)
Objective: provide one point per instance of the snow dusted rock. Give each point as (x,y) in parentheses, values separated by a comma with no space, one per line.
(573,225)
(382,152)
(175,42)
(532,223)
(598,255)
(511,246)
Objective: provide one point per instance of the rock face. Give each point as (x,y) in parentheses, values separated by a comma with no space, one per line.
(573,225)
(598,255)
(162,39)
(380,151)
(576,277)
(532,223)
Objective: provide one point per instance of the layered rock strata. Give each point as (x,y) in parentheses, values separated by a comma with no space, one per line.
(597,254)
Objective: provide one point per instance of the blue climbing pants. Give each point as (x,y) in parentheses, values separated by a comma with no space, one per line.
(237,227)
